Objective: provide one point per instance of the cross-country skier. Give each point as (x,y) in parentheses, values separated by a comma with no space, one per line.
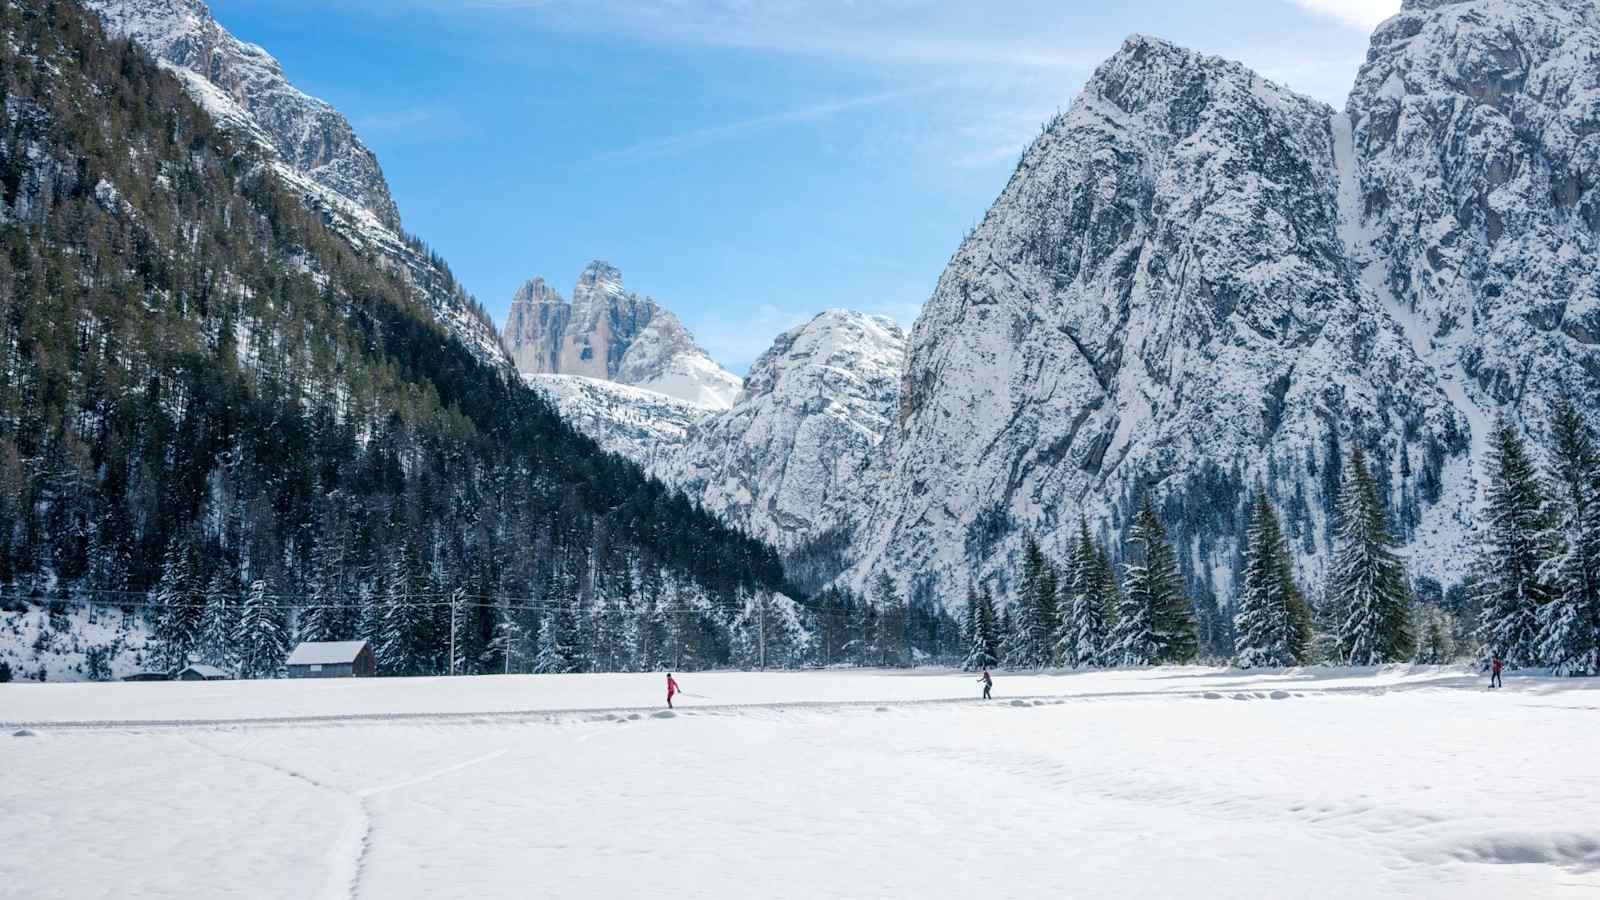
(1494,672)
(672,688)
(987,683)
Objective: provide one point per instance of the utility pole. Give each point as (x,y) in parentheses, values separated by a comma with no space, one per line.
(455,606)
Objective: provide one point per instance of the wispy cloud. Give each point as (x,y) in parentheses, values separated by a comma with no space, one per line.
(413,124)
(1360,14)
(701,137)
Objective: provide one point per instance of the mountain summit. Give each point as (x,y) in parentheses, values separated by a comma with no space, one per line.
(1198,281)
(611,334)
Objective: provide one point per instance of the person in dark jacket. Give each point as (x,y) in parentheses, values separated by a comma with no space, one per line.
(987,683)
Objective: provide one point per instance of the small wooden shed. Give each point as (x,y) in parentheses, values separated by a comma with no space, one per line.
(201,672)
(333,659)
(148,676)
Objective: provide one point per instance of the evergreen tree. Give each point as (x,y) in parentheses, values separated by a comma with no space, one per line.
(1435,643)
(1514,546)
(1569,632)
(983,647)
(891,621)
(179,604)
(1085,632)
(1272,626)
(1368,582)
(409,642)
(220,621)
(261,636)
(1156,621)
(1037,616)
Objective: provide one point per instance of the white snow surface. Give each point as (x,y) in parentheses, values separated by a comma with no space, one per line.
(1319,783)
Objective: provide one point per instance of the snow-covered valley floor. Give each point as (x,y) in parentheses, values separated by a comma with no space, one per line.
(1165,782)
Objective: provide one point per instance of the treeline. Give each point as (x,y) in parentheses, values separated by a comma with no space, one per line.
(588,615)
(1533,598)
(205,392)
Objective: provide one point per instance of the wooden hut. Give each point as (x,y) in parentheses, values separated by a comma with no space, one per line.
(201,672)
(333,659)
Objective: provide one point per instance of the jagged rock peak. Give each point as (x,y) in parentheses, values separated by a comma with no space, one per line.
(611,334)
(536,291)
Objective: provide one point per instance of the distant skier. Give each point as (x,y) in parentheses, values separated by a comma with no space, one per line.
(988,683)
(1494,672)
(672,689)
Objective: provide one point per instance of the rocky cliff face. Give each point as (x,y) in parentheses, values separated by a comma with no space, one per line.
(789,460)
(611,334)
(1161,299)
(1475,133)
(312,146)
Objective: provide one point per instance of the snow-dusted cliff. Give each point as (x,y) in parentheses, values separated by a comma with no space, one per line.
(645,426)
(788,461)
(611,334)
(311,144)
(1198,281)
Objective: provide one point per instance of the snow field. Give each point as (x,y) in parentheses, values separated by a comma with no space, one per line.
(1136,783)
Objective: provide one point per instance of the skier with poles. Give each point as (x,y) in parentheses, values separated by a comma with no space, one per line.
(987,683)
(1495,666)
(672,688)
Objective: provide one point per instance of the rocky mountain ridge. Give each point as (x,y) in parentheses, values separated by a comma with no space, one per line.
(311,145)
(611,334)
(1198,282)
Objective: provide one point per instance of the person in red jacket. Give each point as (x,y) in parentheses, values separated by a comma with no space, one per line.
(672,688)
(1494,672)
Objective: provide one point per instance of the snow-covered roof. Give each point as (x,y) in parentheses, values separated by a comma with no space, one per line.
(321,653)
(204,670)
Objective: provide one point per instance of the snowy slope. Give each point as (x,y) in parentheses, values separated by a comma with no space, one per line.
(609,333)
(312,146)
(789,460)
(1161,299)
(647,427)
(1254,785)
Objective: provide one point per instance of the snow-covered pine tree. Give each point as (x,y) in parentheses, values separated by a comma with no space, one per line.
(1367,582)
(262,636)
(1272,625)
(179,603)
(409,643)
(1435,644)
(552,656)
(891,621)
(220,621)
(969,630)
(984,650)
(1155,621)
(1569,625)
(1037,617)
(1084,632)
(1513,547)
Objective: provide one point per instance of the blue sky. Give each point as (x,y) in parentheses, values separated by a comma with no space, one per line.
(746,162)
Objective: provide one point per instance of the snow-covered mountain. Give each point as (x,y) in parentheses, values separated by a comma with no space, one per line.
(312,145)
(645,426)
(611,334)
(787,462)
(1198,281)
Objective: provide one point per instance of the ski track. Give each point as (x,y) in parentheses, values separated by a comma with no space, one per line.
(348,858)
(590,714)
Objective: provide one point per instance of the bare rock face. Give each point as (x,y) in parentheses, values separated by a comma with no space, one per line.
(611,334)
(312,147)
(1475,127)
(1161,300)
(789,461)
